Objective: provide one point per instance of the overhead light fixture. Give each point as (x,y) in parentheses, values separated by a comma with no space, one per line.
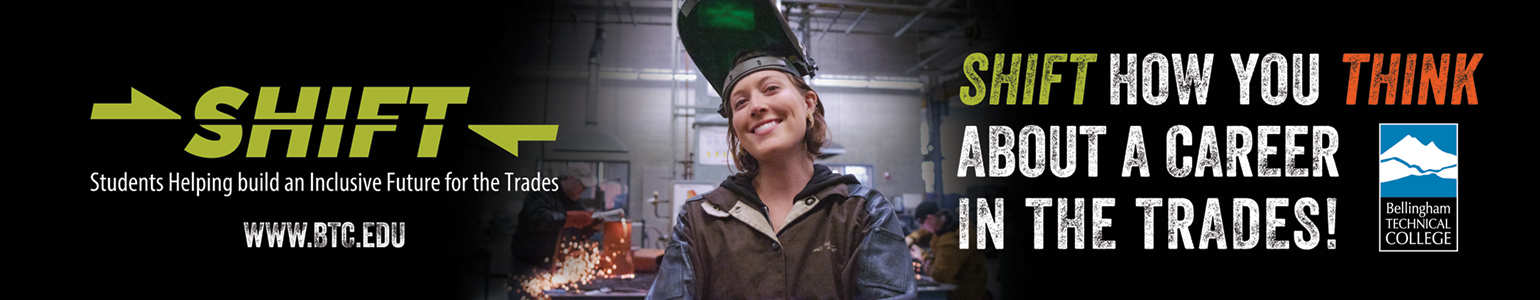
(861,82)
(897,85)
(830,150)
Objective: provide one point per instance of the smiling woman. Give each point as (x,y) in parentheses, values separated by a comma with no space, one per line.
(753,121)
(783,227)
(768,122)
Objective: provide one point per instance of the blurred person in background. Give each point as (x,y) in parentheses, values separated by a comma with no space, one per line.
(547,218)
(944,261)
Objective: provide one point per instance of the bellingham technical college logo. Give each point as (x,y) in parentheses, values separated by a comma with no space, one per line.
(1419,187)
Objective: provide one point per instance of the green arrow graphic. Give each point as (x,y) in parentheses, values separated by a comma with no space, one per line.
(140,107)
(509,136)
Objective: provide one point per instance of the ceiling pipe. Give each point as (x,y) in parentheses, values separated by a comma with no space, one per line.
(590,138)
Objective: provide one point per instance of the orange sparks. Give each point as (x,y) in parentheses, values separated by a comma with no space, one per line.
(577,263)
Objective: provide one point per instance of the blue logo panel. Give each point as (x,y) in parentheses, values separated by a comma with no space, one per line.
(1419,160)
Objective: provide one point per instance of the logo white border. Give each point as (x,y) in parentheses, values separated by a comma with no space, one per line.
(1380,129)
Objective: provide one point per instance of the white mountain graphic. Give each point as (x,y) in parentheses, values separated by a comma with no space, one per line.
(1410,157)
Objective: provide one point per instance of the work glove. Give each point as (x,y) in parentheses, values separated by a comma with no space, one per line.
(579,219)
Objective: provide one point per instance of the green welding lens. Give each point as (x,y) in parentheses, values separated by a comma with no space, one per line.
(727,15)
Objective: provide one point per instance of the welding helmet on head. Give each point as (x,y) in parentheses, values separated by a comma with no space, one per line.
(717,32)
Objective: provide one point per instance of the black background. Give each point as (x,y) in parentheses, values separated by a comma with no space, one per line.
(1484,128)
(178,245)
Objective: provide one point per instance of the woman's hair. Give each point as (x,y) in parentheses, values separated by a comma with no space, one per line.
(814,138)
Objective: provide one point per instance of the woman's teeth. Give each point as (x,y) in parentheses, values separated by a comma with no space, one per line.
(766,126)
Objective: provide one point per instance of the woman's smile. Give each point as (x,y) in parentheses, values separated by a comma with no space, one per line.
(765,127)
(763,101)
